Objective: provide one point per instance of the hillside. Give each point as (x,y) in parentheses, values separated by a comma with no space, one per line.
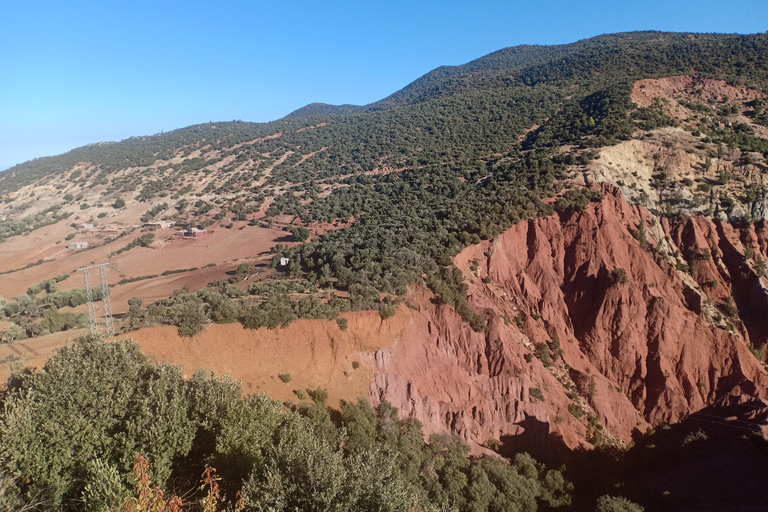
(550,249)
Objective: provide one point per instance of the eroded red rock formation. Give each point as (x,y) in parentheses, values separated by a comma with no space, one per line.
(651,348)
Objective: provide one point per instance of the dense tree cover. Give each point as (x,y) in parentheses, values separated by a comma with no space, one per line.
(413,222)
(33,315)
(463,111)
(73,447)
(262,305)
(442,164)
(25,225)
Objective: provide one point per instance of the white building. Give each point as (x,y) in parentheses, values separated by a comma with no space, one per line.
(77,245)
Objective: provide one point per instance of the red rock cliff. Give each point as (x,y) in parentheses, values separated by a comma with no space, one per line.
(633,353)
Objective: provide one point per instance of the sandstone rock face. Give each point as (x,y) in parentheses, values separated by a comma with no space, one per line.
(633,351)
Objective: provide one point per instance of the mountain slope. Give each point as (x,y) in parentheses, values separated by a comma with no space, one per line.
(545,310)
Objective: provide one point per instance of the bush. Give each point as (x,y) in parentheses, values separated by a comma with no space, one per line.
(285,377)
(542,352)
(618,275)
(190,317)
(342,323)
(760,268)
(577,199)
(576,410)
(300,234)
(729,308)
(616,504)
(641,235)
(319,396)
(536,393)
(387,310)
(54,443)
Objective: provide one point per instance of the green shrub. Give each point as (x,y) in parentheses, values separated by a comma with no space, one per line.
(542,352)
(318,395)
(536,393)
(618,275)
(285,377)
(576,410)
(387,310)
(760,268)
(616,504)
(729,308)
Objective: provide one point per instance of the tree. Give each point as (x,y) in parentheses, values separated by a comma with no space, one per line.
(53,321)
(135,315)
(53,425)
(243,270)
(300,234)
(190,316)
(641,235)
(119,203)
(13,333)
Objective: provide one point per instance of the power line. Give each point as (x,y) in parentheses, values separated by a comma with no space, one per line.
(109,324)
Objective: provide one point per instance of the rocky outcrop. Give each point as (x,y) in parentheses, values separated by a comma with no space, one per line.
(586,314)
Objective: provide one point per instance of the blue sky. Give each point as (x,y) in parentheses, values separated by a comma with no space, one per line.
(78,72)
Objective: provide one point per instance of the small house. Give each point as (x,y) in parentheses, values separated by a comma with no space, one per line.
(85,227)
(284,261)
(193,232)
(77,245)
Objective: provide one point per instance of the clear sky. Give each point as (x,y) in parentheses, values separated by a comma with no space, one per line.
(78,72)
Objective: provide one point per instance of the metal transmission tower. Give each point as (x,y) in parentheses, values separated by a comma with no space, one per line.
(109,324)
(89,298)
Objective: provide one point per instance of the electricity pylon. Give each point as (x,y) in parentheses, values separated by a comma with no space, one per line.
(108,323)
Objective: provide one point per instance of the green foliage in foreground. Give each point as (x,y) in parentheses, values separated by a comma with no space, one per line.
(71,446)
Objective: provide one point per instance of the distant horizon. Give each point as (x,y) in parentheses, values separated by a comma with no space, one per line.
(87,72)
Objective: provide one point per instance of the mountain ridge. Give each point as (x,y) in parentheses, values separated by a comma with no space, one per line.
(555,248)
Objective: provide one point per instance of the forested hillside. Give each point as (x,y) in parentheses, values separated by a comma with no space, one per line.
(458,156)
(370,203)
